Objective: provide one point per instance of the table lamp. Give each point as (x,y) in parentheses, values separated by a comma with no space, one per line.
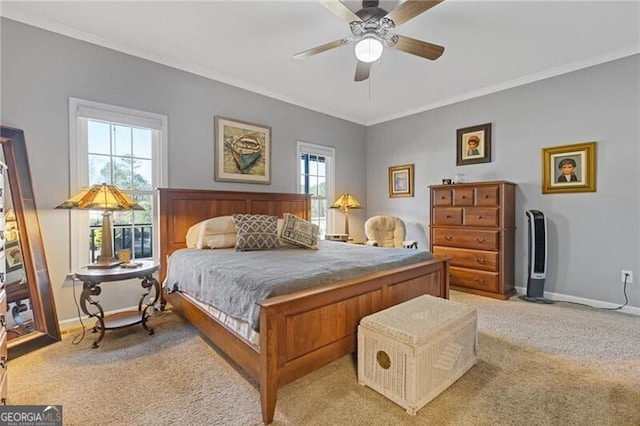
(107,198)
(346,202)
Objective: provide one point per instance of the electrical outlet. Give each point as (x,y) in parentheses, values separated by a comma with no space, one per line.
(626,276)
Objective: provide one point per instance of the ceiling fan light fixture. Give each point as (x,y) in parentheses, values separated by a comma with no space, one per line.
(369,49)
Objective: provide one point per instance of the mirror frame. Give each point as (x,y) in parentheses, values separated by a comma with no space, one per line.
(47,329)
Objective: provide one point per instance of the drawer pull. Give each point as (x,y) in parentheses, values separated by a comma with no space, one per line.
(3,320)
(480,240)
(448,237)
(486,196)
(464,196)
(479,217)
(479,260)
(479,280)
(442,197)
(448,216)
(3,362)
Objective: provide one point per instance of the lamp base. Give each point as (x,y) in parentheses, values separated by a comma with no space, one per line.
(104,264)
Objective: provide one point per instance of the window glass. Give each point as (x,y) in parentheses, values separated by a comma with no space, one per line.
(314,178)
(122,140)
(99,169)
(142,173)
(127,163)
(142,146)
(99,137)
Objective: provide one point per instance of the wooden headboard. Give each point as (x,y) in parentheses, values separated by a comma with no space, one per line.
(182,208)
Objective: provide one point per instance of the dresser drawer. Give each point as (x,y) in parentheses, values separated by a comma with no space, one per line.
(450,216)
(487,196)
(474,239)
(482,216)
(472,278)
(463,196)
(466,258)
(442,197)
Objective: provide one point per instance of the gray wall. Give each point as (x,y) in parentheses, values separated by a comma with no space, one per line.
(41,70)
(592,236)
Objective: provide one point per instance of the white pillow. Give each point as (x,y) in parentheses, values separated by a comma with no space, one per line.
(217,232)
(217,241)
(192,235)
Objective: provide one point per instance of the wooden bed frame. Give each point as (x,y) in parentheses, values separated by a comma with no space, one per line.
(302,331)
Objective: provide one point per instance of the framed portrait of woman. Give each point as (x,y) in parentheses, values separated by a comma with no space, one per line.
(401,181)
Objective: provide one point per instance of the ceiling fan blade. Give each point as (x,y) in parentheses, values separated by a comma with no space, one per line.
(323,48)
(362,71)
(410,9)
(418,47)
(340,10)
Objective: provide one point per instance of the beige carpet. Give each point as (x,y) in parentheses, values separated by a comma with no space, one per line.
(539,365)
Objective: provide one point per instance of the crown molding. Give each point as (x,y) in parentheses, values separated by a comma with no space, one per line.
(543,75)
(7,12)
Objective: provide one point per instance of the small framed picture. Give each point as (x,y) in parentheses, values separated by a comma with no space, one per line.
(13,256)
(569,168)
(401,181)
(242,151)
(474,144)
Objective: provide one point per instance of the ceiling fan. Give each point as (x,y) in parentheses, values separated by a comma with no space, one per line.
(371,27)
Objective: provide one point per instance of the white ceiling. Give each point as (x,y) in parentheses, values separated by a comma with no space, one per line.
(489,46)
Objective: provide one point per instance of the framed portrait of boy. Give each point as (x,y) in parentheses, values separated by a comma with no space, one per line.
(569,168)
(474,144)
(401,181)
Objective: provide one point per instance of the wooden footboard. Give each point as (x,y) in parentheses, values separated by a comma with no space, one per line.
(302,331)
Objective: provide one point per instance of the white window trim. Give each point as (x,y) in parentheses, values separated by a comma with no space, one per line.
(79,109)
(330,154)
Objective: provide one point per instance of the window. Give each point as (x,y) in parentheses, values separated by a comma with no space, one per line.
(315,171)
(120,147)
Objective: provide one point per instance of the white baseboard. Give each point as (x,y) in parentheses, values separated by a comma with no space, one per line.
(595,303)
(73,325)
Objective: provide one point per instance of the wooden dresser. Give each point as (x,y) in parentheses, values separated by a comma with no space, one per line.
(473,224)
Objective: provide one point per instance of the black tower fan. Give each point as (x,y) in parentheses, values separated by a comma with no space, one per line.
(537,257)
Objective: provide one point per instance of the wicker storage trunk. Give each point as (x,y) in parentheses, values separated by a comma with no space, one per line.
(413,351)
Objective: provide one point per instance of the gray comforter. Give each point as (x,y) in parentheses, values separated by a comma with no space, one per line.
(234,281)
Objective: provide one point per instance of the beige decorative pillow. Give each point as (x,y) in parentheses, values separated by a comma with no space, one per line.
(300,232)
(256,232)
(216,232)
(192,235)
(217,241)
(283,243)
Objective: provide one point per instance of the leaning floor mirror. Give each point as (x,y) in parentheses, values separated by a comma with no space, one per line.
(31,320)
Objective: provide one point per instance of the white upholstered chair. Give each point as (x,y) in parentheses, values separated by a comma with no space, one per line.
(387,231)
